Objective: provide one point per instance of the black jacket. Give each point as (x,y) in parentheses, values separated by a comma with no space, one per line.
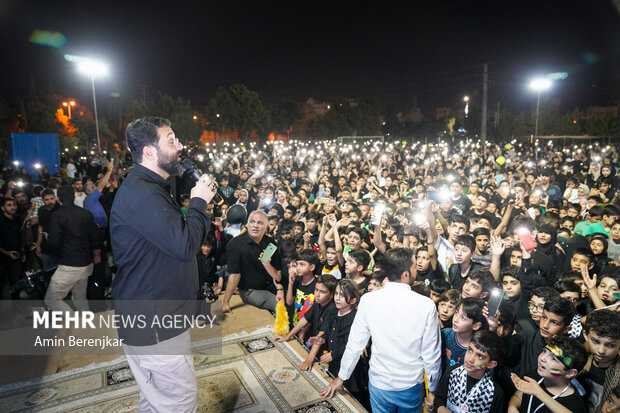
(73,234)
(155,249)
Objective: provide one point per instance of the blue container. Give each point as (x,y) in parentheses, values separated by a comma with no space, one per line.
(29,149)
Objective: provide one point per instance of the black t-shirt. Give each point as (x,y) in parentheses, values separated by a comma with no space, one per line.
(461,204)
(45,217)
(242,257)
(572,402)
(441,395)
(319,315)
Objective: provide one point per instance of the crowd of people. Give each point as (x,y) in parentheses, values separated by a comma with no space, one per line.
(376,240)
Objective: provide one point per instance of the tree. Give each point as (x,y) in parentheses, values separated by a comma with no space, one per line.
(285,117)
(238,108)
(604,125)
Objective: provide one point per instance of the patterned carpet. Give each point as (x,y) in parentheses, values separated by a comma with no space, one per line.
(253,374)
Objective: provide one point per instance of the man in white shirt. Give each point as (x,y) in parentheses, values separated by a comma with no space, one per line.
(405,340)
(71,170)
(80,196)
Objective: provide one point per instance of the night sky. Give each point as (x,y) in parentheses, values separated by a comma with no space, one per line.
(294,50)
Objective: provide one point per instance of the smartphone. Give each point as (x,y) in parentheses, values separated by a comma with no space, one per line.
(268,253)
(379,210)
(321,200)
(495,299)
(525,237)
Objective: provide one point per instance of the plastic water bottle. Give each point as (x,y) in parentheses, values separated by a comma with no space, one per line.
(324,366)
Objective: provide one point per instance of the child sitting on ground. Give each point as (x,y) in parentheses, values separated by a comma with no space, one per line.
(471,387)
(322,309)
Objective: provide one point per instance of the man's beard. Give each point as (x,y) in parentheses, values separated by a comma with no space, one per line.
(168,163)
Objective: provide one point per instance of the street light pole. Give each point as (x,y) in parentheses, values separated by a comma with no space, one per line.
(92,81)
(93,69)
(538,84)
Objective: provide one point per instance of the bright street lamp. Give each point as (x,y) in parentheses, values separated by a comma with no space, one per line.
(466,100)
(93,69)
(538,85)
(68,106)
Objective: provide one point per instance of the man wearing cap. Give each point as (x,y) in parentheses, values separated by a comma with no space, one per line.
(552,190)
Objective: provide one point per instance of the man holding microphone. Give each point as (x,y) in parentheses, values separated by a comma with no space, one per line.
(155,248)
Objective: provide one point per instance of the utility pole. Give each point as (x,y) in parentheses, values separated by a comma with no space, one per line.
(485,89)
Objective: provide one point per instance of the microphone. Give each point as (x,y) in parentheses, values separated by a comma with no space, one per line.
(187,166)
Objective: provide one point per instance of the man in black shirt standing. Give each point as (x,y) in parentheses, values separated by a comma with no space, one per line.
(11,254)
(155,247)
(74,236)
(47,255)
(259,283)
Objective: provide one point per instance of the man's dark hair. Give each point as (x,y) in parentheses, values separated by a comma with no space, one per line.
(562,307)
(66,194)
(395,262)
(488,342)
(46,192)
(467,241)
(545,293)
(421,288)
(291,208)
(328,281)
(604,323)
(5,200)
(361,257)
(310,256)
(575,353)
(143,132)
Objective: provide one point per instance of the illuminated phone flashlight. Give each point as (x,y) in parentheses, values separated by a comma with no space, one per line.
(20,183)
(597,158)
(444,195)
(16,163)
(419,219)
(266,200)
(538,192)
(523,231)
(37,166)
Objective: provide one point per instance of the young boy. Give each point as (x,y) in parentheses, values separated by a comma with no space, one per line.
(482,255)
(596,215)
(613,250)
(376,280)
(464,247)
(548,388)
(610,214)
(471,387)
(331,261)
(602,371)
(323,309)
(446,307)
(356,264)
(478,284)
(555,320)
(300,292)
(438,287)
(572,292)
(466,321)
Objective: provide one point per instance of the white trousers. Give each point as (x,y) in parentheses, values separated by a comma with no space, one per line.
(165,375)
(65,279)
